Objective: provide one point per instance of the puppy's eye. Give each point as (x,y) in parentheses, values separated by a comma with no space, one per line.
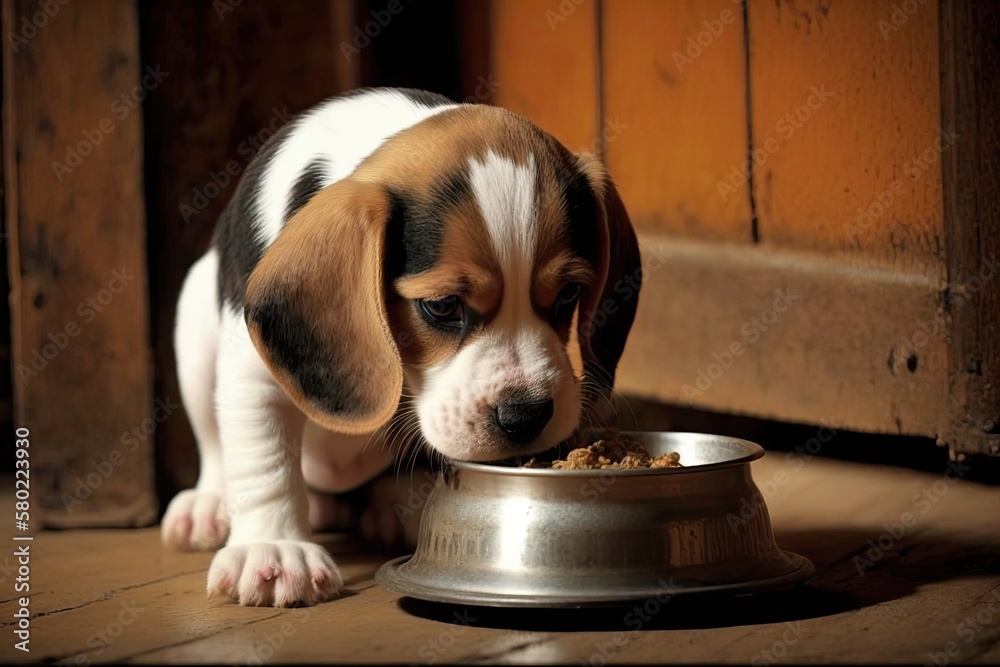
(566,301)
(447,312)
(568,294)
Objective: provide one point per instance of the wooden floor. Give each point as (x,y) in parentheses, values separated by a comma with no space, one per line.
(930,595)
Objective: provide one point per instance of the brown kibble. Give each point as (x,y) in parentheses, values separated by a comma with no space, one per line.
(611,452)
(634,460)
(671,460)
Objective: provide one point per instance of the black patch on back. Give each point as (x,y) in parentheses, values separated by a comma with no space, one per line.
(309,182)
(235,234)
(325,380)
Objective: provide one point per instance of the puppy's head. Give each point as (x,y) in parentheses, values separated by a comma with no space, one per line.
(457,256)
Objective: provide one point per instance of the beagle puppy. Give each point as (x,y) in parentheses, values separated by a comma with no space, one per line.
(391,263)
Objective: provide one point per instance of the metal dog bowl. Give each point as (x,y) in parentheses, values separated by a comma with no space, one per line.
(529,537)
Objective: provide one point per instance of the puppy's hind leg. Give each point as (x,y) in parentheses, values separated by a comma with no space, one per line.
(196,518)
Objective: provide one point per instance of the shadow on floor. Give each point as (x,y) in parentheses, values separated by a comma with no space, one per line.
(842,584)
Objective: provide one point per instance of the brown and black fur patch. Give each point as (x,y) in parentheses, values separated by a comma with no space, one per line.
(333,310)
(326,339)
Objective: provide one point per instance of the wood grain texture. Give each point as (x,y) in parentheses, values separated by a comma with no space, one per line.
(544,58)
(785,335)
(674,82)
(247,69)
(472,51)
(73,154)
(910,601)
(343,18)
(970,94)
(6,363)
(846,123)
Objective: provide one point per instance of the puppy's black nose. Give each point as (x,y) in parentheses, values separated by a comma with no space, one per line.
(522,422)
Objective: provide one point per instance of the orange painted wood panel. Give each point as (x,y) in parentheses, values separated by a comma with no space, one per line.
(675,83)
(544,62)
(846,118)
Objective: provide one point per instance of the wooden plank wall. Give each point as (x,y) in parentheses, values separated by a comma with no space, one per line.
(783,165)
(7,463)
(970,92)
(845,105)
(851,108)
(76,224)
(820,317)
(545,57)
(679,137)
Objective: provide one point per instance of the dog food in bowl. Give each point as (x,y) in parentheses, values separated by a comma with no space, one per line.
(611,452)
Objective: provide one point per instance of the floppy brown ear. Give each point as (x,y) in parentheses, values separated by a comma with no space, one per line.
(607,310)
(316,310)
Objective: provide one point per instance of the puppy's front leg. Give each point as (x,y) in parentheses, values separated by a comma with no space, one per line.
(269,558)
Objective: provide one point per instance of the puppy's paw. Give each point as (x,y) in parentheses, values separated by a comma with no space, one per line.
(195,521)
(275,574)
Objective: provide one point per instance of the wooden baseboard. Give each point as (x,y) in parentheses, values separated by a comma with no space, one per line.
(740,329)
